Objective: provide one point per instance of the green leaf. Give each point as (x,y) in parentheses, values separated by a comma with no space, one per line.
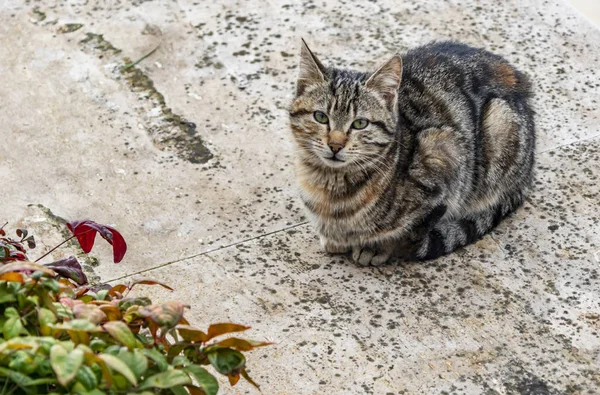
(12,327)
(22,361)
(227,361)
(121,332)
(206,381)
(101,295)
(11,312)
(168,379)
(180,360)
(34,300)
(27,342)
(126,303)
(46,316)
(44,369)
(89,312)
(113,349)
(65,364)
(179,390)
(77,389)
(119,366)
(51,284)
(174,352)
(7,292)
(19,378)
(135,359)
(42,381)
(80,324)
(87,378)
(98,345)
(158,357)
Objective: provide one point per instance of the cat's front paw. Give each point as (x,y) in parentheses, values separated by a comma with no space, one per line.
(331,247)
(366,256)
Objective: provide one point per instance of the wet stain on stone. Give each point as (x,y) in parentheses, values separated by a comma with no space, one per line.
(169,131)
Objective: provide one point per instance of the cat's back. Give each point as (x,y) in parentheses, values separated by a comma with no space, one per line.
(450,65)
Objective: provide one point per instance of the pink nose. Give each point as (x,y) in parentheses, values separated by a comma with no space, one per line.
(335,147)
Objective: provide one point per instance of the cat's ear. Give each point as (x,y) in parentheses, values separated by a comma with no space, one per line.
(312,71)
(386,80)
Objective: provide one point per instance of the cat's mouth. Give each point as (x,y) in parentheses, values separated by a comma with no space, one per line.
(334,161)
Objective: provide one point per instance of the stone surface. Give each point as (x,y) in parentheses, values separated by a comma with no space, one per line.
(188,154)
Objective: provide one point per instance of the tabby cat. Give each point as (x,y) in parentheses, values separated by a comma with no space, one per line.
(424,155)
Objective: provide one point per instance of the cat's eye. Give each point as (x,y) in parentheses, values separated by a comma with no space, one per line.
(360,124)
(321,117)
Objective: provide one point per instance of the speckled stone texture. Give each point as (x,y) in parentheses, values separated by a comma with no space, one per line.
(189,155)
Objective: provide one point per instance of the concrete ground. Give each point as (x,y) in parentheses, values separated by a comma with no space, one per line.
(188,154)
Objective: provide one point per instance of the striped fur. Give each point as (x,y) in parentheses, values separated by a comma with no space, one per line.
(447,154)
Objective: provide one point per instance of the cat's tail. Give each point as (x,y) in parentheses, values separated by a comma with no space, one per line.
(447,235)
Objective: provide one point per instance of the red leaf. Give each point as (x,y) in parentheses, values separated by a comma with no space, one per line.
(11,277)
(165,315)
(233,378)
(85,231)
(245,375)
(241,344)
(117,290)
(85,236)
(150,282)
(220,329)
(69,268)
(192,334)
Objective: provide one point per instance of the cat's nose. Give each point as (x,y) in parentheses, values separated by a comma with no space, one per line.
(335,147)
(336,141)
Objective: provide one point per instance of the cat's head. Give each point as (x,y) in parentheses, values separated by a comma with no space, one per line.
(343,119)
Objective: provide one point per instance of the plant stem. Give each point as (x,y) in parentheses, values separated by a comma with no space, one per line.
(130,65)
(6,380)
(46,254)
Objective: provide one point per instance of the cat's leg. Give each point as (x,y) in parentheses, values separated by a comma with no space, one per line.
(332,247)
(433,177)
(375,255)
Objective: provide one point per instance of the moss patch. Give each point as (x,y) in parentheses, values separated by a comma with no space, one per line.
(39,15)
(99,43)
(69,28)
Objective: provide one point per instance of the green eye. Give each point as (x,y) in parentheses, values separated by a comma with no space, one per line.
(360,124)
(321,117)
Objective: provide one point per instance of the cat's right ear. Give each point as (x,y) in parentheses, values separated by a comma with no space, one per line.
(312,71)
(386,80)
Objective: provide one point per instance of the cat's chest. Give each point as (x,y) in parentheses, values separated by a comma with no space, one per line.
(342,212)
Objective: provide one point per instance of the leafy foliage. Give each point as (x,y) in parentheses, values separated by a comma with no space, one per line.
(59,334)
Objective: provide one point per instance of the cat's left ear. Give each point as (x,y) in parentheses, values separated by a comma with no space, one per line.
(312,71)
(386,81)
